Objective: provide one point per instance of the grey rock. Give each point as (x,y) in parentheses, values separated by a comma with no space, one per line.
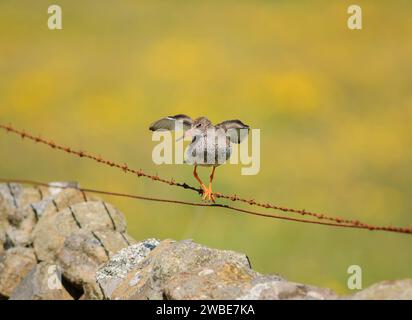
(113,240)
(186,270)
(3,221)
(52,229)
(386,290)
(17,217)
(266,288)
(21,208)
(14,197)
(82,253)
(15,263)
(2,236)
(20,233)
(222,280)
(43,282)
(185,255)
(60,199)
(197,272)
(115,272)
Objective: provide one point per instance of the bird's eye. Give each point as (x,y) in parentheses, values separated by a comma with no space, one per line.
(198,125)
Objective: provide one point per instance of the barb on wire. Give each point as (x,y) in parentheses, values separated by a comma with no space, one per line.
(83,154)
(140,173)
(214,205)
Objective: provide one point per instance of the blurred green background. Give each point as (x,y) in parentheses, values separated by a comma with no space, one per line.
(334,107)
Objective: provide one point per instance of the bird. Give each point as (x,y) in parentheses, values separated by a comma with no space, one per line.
(210,145)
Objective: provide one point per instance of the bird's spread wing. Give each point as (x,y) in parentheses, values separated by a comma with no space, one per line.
(235,129)
(168,123)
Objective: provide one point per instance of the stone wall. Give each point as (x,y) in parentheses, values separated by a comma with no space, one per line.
(48,232)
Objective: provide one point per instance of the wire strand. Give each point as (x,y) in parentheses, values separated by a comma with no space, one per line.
(140,173)
(215,205)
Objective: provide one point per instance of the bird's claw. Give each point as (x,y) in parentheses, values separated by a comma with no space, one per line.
(208,195)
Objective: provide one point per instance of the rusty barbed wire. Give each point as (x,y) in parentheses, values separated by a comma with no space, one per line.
(214,205)
(83,154)
(140,173)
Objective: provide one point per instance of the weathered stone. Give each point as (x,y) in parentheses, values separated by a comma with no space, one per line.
(112,241)
(60,198)
(385,290)
(82,253)
(186,270)
(20,233)
(119,269)
(21,208)
(1,244)
(219,281)
(185,256)
(264,287)
(15,263)
(3,238)
(41,283)
(147,275)
(80,257)
(3,221)
(17,216)
(14,197)
(79,235)
(52,229)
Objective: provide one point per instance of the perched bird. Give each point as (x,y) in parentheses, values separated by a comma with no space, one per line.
(210,146)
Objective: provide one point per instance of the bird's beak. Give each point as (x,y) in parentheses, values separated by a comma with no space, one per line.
(188,133)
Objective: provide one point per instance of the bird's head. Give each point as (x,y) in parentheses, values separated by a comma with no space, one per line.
(199,127)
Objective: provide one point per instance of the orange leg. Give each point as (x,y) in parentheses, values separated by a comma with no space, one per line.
(198,179)
(208,194)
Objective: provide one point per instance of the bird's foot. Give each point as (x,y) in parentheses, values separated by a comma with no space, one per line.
(208,194)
